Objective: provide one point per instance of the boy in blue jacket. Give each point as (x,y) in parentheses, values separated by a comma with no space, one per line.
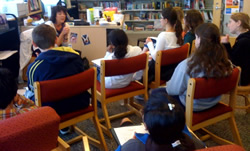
(53,63)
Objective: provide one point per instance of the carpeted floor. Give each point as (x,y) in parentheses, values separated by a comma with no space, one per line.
(221,128)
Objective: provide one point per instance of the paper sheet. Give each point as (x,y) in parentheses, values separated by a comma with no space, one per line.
(97,62)
(126,133)
(6,54)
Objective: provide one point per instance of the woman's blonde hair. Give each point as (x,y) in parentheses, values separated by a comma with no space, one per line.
(244,18)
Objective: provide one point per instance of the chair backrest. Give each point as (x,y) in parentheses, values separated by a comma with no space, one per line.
(199,88)
(58,89)
(124,66)
(34,130)
(172,56)
(168,57)
(206,88)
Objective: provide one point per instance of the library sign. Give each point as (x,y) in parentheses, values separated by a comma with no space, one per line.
(232,6)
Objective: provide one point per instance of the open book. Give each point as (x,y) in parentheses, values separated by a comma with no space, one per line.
(123,134)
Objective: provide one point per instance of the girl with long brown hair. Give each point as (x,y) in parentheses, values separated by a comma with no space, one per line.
(209,60)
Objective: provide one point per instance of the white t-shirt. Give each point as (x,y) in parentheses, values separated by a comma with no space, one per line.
(122,81)
(165,40)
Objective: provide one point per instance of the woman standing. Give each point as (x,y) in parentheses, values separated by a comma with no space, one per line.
(58,22)
(239,53)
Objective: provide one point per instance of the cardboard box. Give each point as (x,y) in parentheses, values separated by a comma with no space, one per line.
(18,9)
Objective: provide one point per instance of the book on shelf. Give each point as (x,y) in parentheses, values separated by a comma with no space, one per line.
(139,28)
(110,4)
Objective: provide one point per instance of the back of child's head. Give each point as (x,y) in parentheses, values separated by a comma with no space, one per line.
(8,87)
(119,39)
(55,10)
(171,15)
(210,57)
(193,19)
(44,36)
(180,13)
(164,119)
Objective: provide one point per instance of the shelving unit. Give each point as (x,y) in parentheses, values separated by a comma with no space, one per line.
(34,7)
(138,13)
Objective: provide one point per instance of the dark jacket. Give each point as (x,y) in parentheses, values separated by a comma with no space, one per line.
(53,64)
(188,38)
(240,56)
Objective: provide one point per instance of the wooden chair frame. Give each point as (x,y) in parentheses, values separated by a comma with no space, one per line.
(244,91)
(159,62)
(128,98)
(227,115)
(73,121)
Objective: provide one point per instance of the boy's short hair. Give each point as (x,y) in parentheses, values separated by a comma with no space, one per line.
(164,123)
(8,87)
(44,36)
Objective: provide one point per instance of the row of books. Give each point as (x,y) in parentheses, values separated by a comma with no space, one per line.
(110,4)
(34,5)
(151,5)
(142,16)
(194,4)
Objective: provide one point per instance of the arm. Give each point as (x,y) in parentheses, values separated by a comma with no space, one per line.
(178,82)
(24,104)
(63,37)
(160,45)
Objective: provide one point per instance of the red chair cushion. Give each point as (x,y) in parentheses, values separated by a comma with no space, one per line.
(206,88)
(133,86)
(58,89)
(126,65)
(175,55)
(162,82)
(69,116)
(217,110)
(223,148)
(34,130)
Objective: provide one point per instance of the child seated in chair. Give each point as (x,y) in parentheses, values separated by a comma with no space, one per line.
(210,60)
(11,103)
(165,121)
(55,63)
(118,48)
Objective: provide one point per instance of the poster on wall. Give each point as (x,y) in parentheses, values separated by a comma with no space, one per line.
(232,6)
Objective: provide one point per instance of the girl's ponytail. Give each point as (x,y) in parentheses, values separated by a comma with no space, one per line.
(178,32)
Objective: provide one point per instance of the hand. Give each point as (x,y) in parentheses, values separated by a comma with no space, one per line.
(65,30)
(110,48)
(148,40)
(225,39)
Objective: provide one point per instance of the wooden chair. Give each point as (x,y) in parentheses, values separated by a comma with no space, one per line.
(34,130)
(58,89)
(199,88)
(244,91)
(121,67)
(168,57)
(192,48)
(85,143)
(223,148)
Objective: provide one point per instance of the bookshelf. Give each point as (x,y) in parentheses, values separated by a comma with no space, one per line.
(34,7)
(143,13)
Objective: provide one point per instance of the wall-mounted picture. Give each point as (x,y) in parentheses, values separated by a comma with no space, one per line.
(73,38)
(85,39)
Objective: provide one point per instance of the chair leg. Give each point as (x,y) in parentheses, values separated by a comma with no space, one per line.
(235,131)
(247,103)
(107,121)
(99,130)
